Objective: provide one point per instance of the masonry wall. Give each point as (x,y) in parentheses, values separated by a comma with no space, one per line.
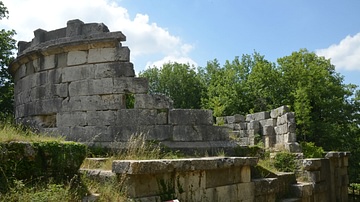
(276,128)
(230,179)
(78,82)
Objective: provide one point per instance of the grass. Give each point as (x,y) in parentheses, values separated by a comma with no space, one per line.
(138,148)
(11,132)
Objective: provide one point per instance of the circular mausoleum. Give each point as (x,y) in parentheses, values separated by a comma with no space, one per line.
(78,82)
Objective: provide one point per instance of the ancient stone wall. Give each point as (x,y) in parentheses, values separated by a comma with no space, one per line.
(78,82)
(230,179)
(276,128)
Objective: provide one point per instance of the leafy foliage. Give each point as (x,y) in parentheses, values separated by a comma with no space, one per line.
(310,150)
(7,44)
(178,81)
(285,162)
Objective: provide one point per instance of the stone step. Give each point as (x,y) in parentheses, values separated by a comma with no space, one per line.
(98,174)
(301,189)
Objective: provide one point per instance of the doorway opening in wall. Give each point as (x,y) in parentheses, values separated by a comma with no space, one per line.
(129,100)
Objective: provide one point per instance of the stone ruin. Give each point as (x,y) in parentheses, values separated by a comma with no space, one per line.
(275,128)
(78,82)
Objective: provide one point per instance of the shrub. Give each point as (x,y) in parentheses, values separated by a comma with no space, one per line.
(310,150)
(285,162)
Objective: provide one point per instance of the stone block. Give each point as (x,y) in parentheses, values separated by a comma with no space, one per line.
(212,133)
(314,176)
(94,102)
(137,117)
(48,62)
(71,119)
(90,134)
(74,28)
(245,174)
(114,69)
(124,133)
(162,117)
(253,125)
(155,101)
(100,55)
(186,133)
(20,73)
(77,73)
(260,116)
(76,58)
(61,60)
(231,175)
(100,118)
(291,127)
(293,147)
(55,76)
(46,106)
(230,119)
(281,129)
(240,126)
(269,141)
(131,85)
(279,111)
(290,137)
(91,87)
(158,132)
(190,186)
(268,130)
(286,118)
(190,117)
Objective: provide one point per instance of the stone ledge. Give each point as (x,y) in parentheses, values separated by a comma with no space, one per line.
(136,167)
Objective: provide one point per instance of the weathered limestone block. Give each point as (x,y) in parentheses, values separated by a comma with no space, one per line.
(237,118)
(55,76)
(268,130)
(240,126)
(311,164)
(89,134)
(286,118)
(100,55)
(77,73)
(147,101)
(293,147)
(48,63)
(91,87)
(269,122)
(46,106)
(64,119)
(269,141)
(148,132)
(114,69)
(258,116)
(130,85)
(76,58)
(212,133)
(290,137)
(190,117)
(253,125)
(186,133)
(279,111)
(21,73)
(190,186)
(100,118)
(94,102)
(136,117)
(302,190)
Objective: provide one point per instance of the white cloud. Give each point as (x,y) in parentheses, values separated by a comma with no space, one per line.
(345,55)
(167,59)
(144,38)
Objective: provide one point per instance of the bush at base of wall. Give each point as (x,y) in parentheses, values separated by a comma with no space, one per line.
(34,161)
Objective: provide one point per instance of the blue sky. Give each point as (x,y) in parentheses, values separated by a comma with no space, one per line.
(197,31)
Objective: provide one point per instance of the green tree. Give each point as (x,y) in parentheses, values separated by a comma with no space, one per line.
(7,44)
(319,98)
(178,81)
